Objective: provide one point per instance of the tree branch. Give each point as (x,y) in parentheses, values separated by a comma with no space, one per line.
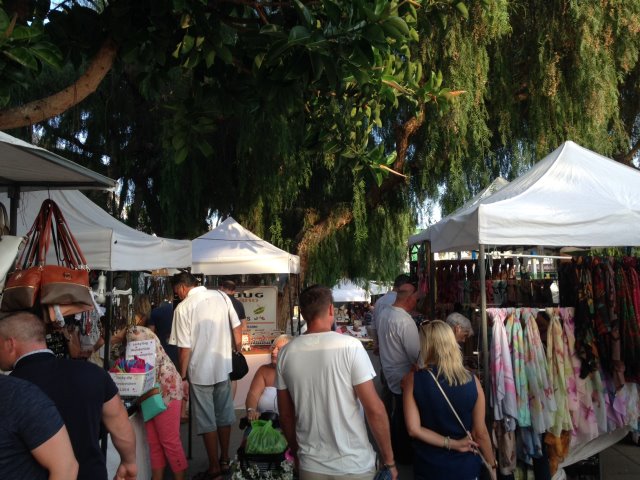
(43,109)
(628,157)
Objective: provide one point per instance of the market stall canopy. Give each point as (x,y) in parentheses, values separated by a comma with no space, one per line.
(106,243)
(425,235)
(30,167)
(231,249)
(573,196)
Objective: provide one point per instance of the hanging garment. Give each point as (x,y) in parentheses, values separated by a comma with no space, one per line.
(541,398)
(559,370)
(516,346)
(503,390)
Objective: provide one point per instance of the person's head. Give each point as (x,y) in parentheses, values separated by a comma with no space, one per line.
(440,349)
(183,282)
(406,297)
(400,280)
(316,306)
(277,345)
(228,286)
(142,309)
(20,333)
(461,326)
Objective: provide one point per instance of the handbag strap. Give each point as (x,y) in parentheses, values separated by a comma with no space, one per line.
(486,464)
(226,299)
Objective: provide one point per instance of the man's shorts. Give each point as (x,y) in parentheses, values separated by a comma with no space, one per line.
(213,406)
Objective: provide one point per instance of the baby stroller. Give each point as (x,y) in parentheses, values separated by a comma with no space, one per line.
(264,462)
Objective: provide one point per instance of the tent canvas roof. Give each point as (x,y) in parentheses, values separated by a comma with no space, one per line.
(347,291)
(106,243)
(231,249)
(33,168)
(497,184)
(572,197)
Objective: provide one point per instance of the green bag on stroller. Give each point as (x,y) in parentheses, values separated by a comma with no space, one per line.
(265,439)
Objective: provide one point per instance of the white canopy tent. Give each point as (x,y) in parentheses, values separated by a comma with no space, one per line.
(425,235)
(231,249)
(106,243)
(572,197)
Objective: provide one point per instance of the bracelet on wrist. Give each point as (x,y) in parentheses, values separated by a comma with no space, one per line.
(446,443)
(389,466)
(251,409)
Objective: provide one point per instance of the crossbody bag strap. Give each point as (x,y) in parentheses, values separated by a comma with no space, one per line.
(233,343)
(458,418)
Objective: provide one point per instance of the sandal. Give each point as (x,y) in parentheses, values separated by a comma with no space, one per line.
(224,467)
(206,475)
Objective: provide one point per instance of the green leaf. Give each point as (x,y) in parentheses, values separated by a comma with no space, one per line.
(257,61)
(4,20)
(304,13)
(22,56)
(399,24)
(209,58)
(20,32)
(48,54)
(205,148)
(225,54)
(187,44)
(332,10)
(374,34)
(298,33)
(462,8)
(181,155)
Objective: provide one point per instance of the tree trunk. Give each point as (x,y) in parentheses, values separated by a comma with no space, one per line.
(45,108)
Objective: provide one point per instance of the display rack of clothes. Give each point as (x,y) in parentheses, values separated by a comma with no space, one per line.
(541,401)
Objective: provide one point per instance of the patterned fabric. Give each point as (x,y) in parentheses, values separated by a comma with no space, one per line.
(541,398)
(516,346)
(503,387)
(168,376)
(560,370)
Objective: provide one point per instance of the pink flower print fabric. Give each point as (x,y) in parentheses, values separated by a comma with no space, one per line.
(503,387)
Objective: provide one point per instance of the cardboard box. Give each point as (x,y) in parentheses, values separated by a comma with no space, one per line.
(134,384)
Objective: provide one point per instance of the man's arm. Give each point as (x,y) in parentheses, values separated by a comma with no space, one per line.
(288,420)
(378,421)
(56,455)
(115,418)
(237,337)
(184,355)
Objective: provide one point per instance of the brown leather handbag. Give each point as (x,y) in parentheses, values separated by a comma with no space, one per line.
(22,288)
(68,282)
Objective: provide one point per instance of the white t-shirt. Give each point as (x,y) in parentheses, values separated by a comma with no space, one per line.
(201,323)
(320,371)
(383,302)
(399,345)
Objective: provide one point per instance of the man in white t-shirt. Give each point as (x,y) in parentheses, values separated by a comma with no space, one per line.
(323,380)
(202,326)
(383,302)
(399,344)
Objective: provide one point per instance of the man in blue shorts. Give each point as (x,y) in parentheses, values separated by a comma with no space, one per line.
(202,330)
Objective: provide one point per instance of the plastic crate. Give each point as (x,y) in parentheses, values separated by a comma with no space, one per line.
(134,384)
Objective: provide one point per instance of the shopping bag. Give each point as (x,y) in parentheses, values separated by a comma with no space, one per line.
(62,285)
(21,289)
(264,439)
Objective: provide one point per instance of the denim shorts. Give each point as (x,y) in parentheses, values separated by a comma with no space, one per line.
(213,406)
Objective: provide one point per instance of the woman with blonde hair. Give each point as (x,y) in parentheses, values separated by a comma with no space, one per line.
(442,448)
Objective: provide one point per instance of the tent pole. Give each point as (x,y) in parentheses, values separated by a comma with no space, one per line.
(432,279)
(14,202)
(483,317)
(107,348)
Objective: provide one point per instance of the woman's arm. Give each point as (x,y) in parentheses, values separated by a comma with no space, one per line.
(416,430)
(258,385)
(479,427)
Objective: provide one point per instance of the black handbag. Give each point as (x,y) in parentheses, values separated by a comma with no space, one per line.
(239,364)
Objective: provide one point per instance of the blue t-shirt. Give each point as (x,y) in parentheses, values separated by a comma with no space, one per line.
(79,390)
(162,318)
(28,418)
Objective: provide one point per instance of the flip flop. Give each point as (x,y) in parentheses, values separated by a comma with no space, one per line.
(224,467)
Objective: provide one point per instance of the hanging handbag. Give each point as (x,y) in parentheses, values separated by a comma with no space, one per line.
(490,469)
(239,364)
(68,282)
(151,404)
(22,286)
